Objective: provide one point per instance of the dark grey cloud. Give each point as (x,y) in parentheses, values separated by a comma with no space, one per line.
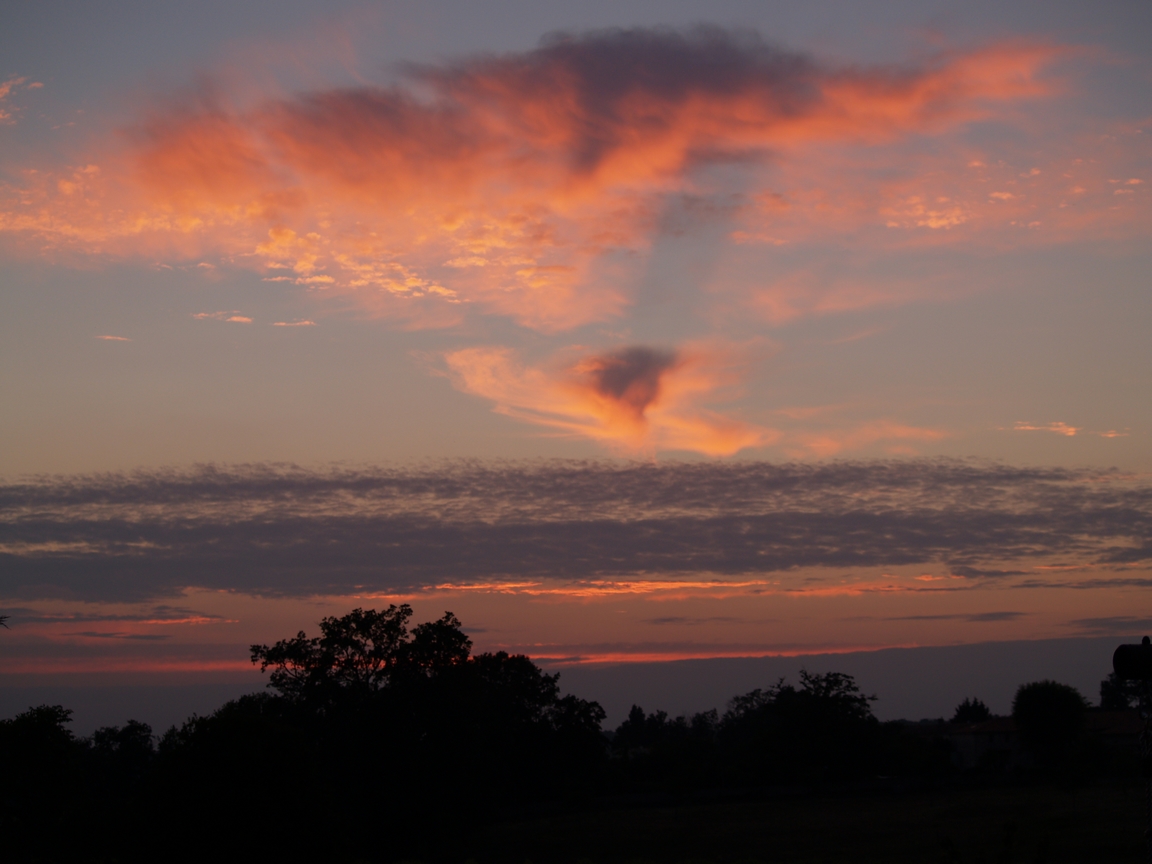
(605,73)
(282,530)
(161,614)
(1087,584)
(141,637)
(976,572)
(682,620)
(631,376)
(1111,626)
(586,97)
(975,618)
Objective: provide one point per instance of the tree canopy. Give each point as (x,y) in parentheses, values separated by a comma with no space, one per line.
(362,652)
(971,711)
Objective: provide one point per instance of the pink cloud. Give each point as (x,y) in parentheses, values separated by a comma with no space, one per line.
(234,317)
(641,400)
(511,183)
(635,399)
(6,88)
(896,437)
(1059,427)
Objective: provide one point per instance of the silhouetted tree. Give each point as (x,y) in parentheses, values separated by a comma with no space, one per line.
(1051,719)
(971,711)
(360,653)
(396,732)
(378,741)
(1117,694)
(641,731)
(658,752)
(124,753)
(823,729)
(44,802)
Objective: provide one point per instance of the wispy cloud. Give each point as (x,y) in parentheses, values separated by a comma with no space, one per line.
(234,317)
(899,436)
(7,88)
(301,323)
(114,338)
(1113,625)
(161,614)
(571,527)
(559,655)
(141,637)
(680,620)
(970,617)
(1059,427)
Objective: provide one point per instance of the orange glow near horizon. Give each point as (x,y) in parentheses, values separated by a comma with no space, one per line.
(598,659)
(605,621)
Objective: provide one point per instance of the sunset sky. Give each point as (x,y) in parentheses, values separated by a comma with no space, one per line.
(629,331)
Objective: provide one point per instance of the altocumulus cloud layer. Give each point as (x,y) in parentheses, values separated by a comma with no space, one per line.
(275,530)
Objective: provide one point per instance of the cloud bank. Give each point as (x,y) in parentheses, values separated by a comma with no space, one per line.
(597,527)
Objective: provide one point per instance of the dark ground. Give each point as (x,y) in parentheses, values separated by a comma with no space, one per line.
(1103,822)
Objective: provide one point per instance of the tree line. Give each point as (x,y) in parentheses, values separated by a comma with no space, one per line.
(379,741)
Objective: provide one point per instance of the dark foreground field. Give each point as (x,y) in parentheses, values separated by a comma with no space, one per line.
(1102,822)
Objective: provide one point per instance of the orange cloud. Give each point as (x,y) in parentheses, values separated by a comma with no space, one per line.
(637,399)
(1059,427)
(823,444)
(6,88)
(582,654)
(641,400)
(811,292)
(233,317)
(869,202)
(521,185)
(680,589)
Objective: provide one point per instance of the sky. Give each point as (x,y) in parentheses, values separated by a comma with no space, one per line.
(630,332)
